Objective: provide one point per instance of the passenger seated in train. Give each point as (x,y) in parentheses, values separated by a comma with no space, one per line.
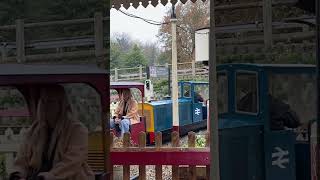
(197,96)
(281,114)
(126,112)
(56,145)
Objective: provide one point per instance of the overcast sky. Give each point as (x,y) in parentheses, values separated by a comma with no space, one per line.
(138,29)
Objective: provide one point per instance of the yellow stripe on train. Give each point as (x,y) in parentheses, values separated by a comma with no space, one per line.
(148,113)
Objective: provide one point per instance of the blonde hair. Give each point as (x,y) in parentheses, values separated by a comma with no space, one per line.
(126,101)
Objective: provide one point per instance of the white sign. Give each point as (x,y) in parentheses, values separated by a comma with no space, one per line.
(157,71)
(281,158)
(202,45)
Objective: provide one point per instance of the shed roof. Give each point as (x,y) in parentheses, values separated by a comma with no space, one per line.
(127,85)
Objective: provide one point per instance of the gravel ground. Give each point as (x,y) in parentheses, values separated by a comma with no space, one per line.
(150,170)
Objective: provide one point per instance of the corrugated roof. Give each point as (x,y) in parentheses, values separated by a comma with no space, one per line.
(117,4)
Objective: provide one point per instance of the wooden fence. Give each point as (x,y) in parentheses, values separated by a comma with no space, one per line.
(23,51)
(232,39)
(139,73)
(9,143)
(187,162)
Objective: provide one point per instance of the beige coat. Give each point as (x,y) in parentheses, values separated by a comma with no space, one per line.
(71,164)
(132,113)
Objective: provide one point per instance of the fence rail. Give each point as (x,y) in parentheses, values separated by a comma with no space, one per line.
(139,73)
(187,162)
(76,49)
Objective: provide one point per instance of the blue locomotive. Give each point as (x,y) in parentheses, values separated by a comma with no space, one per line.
(192,110)
(266,115)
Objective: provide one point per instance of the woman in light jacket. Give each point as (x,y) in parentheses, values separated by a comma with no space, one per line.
(56,145)
(126,113)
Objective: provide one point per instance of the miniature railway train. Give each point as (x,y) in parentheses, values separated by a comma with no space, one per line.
(157,115)
(266,120)
(251,144)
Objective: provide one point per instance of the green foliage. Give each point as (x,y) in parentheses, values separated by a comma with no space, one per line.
(134,58)
(116,55)
(85,102)
(163,58)
(160,87)
(11,101)
(151,51)
(200,141)
(125,52)
(197,78)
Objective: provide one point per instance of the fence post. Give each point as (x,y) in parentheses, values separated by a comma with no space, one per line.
(142,144)
(116,74)
(20,44)
(140,72)
(207,146)
(98,37)
(111,146)
(193,68)
(175,143)
(126,168)
(158,141)
(148,72)
(192,143)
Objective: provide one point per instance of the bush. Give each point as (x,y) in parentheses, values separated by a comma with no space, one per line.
(160,88)
(200,141)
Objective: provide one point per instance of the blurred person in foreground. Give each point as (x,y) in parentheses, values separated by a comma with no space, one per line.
(56,145)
